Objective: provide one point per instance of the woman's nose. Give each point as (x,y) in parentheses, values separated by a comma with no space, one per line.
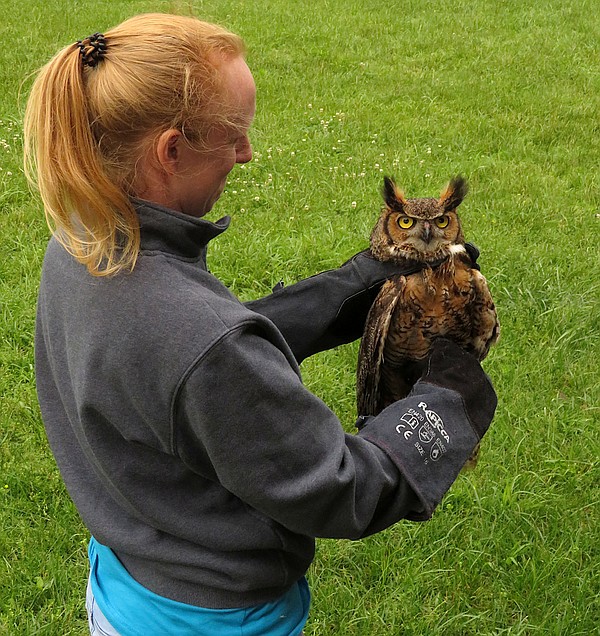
(244,152)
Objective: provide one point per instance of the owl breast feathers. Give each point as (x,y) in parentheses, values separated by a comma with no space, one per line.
(447,298)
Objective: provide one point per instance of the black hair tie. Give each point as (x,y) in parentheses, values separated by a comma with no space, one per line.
(92,49)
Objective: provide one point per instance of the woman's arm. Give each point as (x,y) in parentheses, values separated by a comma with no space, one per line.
(245,418)
(328,309)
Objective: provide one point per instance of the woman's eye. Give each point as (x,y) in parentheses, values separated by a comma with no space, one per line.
(405,222)
(442,221)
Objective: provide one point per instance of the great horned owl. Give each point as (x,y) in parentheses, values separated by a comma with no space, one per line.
(447,298)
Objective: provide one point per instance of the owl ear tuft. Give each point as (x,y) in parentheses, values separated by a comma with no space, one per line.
(454,193)
(392,195)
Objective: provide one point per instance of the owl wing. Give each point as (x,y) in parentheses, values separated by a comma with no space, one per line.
(468,312)
(370,356)
(486,326)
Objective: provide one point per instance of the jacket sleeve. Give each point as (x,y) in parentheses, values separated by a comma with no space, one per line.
(328,309)
(246,420)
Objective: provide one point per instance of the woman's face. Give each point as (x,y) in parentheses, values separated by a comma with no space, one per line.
(182,178)
(202,175)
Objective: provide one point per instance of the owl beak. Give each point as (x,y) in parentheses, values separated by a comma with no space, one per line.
(426,233)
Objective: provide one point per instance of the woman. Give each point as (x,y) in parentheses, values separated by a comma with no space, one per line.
(201,465)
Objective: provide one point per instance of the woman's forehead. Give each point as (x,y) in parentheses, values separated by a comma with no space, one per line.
(241,88)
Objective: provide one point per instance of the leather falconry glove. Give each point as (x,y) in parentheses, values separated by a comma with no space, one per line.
(432,432)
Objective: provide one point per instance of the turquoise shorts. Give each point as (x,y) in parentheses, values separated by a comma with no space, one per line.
(120,606)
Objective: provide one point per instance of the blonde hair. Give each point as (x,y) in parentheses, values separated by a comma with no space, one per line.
(86,127)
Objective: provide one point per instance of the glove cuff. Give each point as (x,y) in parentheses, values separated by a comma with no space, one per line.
(429,437)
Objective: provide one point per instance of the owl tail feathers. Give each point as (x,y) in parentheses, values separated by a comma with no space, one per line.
(471,463)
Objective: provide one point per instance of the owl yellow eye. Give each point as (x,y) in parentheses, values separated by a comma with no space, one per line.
(405,222)
(442,221)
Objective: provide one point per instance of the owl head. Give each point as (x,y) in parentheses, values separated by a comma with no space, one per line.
(418,229)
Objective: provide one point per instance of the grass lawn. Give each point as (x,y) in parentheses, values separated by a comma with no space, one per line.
(505,93)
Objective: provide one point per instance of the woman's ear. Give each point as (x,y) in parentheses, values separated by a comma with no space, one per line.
(167,150)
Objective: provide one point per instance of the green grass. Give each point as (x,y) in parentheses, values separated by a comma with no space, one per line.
(507,94)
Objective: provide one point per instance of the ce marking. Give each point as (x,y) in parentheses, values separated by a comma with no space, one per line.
(402,430)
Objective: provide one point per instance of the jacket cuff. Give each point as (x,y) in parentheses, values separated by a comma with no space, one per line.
(429,437)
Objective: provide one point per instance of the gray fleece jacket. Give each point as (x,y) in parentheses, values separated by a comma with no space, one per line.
(184,434)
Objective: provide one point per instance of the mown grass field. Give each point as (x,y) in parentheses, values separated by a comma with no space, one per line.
(505,93)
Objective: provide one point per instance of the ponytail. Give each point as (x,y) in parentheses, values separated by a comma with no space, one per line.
(89,214)
(86,125)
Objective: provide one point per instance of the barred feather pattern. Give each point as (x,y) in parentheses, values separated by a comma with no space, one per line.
(451,301)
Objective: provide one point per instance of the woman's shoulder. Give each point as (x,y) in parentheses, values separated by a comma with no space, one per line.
(162,299)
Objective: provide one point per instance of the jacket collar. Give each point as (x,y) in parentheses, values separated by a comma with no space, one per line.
(181,235)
